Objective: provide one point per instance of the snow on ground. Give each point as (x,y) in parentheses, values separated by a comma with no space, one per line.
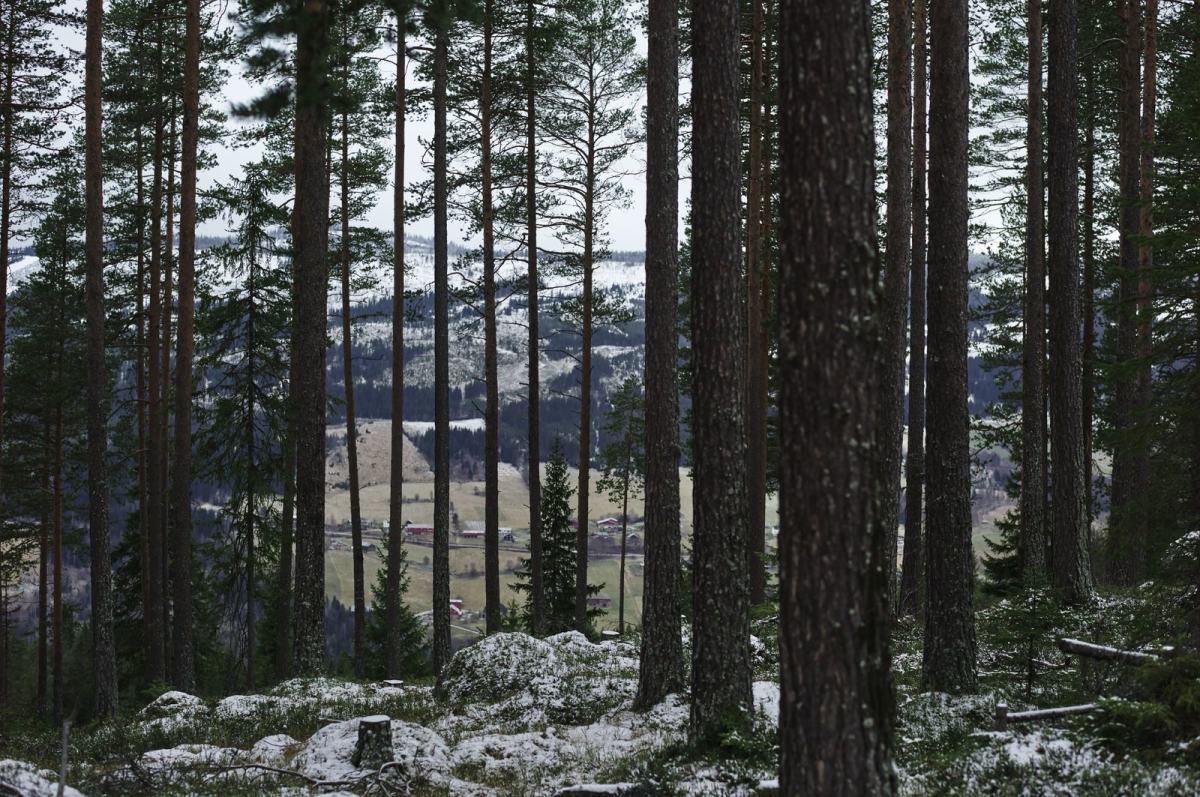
(29,781)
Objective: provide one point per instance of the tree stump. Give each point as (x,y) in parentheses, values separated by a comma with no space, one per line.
(374,747)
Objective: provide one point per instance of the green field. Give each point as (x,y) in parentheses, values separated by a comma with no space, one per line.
(466,579)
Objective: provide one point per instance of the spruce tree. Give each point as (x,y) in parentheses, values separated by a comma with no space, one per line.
(623,463)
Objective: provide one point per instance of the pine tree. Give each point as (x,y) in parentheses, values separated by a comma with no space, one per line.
(720,606)
(587,116)
(898,264)
(950,649)
(661,664)
(1032,539)
(360,167)
(1070,558)
(835,533)
(103,652)
(394,607)
(912,569)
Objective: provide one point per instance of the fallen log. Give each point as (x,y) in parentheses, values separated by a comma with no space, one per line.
(1003,717)
(1092,651)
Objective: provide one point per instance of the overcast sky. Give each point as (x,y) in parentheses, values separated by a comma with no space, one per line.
(625,226)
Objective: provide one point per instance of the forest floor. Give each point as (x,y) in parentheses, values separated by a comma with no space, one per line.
(522,716)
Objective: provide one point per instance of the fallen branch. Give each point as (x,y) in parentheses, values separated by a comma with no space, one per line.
(1092,651)
(1003,717)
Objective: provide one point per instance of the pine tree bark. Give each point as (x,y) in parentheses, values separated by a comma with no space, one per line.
(720,607)
(395,651)
(661,665)
(836,701)
(1145,309)
(250,443)
(491,442)
(356,538)
(441,357)
(898,254)
(310,234)
(6,177)
(43,608)
(534,456)
(756,311)
(140,397)
(155,630)
(1124,546)
(585,404)
(104,665)
(183,662)
(164,418)
(1032,544)
(287,532)
(913,568)
(1089,293)
(56,633)
(950,648)
(1070,558)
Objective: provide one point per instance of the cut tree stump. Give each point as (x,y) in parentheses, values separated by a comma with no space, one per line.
(374,747)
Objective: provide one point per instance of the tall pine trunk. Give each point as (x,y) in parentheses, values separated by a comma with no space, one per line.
(441,357)
(1126,534)
(720,606)
(756,315)
(56,633)
(1070,559)
(356,538)
(585,398)
(1032,546)
(950,648)
(155,630)
(491,442)
(104,664)
(43,607)
(164,416)
(534,455)
(395,653)
(661,664)
(898,255)
(140,396)
(913,568)
(837,705)
(1089,291)
(6,177)
(183,658)
(310,235)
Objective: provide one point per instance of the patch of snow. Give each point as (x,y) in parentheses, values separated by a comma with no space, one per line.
(766,700)
(29,781)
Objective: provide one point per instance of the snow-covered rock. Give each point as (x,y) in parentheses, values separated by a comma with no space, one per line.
(274,750)
(29,781)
